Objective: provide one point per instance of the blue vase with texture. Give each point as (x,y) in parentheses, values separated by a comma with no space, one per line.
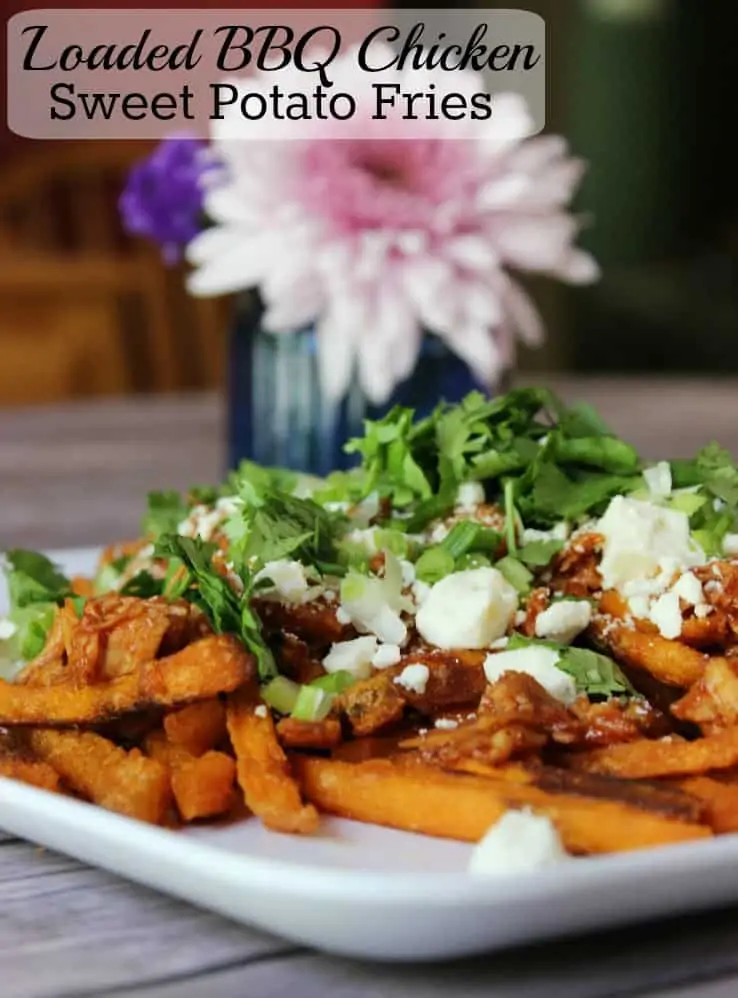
(278,416)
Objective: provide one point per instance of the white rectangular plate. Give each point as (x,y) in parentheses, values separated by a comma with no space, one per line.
(364,891)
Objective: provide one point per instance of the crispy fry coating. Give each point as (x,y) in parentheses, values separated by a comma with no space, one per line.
(27,770)
(669,662)
(105,774)
(423,799)
(324,734)
(213,665)
(650,758)
(712,702)
(198,727)
(263,770)
(204,786)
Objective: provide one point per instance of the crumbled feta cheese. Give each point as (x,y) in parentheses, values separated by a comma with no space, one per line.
(689,588)
(667,616)
(639,606)
(446,724)
(536,661)
(658,480)
(500,643)
(229,505)
(730,545)
(414,678)
(563,620)
(520,618)
(343,616)
(470,495)
(7,629)
(353,656)
(386,656)
(261,710)
(408,572)
(288,578)
(467,609)
(519,841)
(559,532)
(336,507)
(420,591)
(202,522)
(703,610)
(638,536)
(439,533)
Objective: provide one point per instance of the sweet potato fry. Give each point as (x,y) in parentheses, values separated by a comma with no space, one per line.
(37,774)
(700,632)
(650,758)
(373,704)
(105,774)
(712,702)
(449,805)
(82,586)
(217,664)
(324,734)
(198,727)
(315,622)
(263,770)
(484,740)
(205,786)
(670,662)
(720,801)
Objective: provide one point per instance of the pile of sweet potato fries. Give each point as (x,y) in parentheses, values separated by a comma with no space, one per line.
(138,706)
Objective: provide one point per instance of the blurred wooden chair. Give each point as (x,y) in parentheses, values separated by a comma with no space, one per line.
(85,310)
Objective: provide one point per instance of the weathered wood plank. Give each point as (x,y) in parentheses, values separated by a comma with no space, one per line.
(625,963)
(66,929)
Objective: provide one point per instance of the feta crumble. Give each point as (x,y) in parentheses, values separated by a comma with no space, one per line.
(658,480)
(288,578)
(639,536)
(667,615)
(536,661)
(563,620)
(386,655)
(446,724)
(414,678)
(261,711)
(730,545)
(469,609)
(519,841)
(353,656)
(689,588)
(469,496)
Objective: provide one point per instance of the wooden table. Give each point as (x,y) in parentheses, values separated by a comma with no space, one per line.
(76,475)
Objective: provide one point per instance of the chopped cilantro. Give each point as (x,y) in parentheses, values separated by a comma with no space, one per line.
(594,674)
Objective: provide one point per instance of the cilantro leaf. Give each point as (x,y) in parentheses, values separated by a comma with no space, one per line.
(166,510)
(34,578)
(593,673)
(144,585)
(278,525)
(539,553)
(227,612)
(36,588)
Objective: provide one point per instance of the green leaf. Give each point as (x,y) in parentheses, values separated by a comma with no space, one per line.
(144,585)
(594,674)
(108,577)
(227,612)
(278,525)
(582,420)
(34,578)
(606,453)
(33,623)
(166,510)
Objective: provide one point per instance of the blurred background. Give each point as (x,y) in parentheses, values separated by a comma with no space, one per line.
(644,89)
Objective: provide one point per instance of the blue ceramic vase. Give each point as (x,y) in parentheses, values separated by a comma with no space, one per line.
(278,416)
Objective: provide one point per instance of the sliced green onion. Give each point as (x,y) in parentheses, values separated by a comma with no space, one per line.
(353,588)
(687,502)
(434,564)
(312,704)
(516,573)
(511,517)
(336,682)
(487,540)
(472,560)
(461,538)
(281,694)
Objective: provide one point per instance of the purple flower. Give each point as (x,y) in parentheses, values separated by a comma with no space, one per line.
(163,197)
